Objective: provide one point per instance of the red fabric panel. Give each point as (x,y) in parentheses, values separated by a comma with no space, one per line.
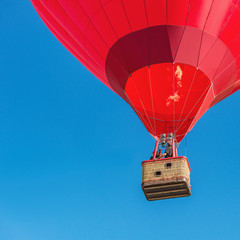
(156,12)
(136,14)
(177,12)
(235,46)
(91,7)
(198,13)
(219,15)
(75,12)
(104,2)
(231,29)
(97,39)
(104,27)
(117,16)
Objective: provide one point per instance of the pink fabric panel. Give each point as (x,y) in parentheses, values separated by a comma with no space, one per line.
(189,47)
(210,64)
(207,43)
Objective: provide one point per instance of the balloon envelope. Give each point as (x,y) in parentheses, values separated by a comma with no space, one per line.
(171,60)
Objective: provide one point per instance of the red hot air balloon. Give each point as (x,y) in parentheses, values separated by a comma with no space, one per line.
(171,60)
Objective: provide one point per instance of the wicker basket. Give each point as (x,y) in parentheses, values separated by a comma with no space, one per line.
(166,178)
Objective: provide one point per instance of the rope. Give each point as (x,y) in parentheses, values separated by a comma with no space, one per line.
(135,110)
(150,85)
(208,87)
(185,102)
(173,100)
(186,145)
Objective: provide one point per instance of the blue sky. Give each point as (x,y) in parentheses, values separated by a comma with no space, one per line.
(71,152)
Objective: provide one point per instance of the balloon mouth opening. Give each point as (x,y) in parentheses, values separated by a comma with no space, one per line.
(167,96)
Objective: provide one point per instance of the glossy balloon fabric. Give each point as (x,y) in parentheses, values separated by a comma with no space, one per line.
(171,60)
